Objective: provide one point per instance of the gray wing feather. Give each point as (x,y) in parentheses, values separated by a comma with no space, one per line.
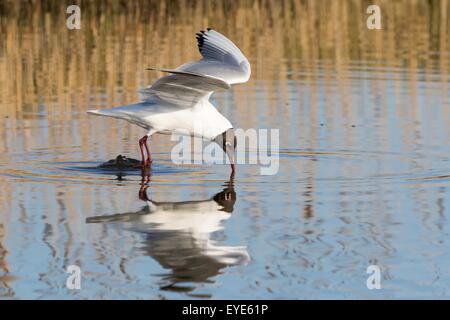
(183,89)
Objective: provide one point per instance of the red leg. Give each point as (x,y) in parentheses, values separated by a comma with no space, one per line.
(149,156)
(142,143)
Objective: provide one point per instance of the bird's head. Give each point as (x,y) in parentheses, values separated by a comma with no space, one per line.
(227,141)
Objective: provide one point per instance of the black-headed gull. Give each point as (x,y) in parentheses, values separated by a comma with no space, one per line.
(179,103)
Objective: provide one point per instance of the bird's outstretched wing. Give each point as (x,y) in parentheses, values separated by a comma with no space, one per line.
(221,59)
(222,64)
(179,90)
(183,89)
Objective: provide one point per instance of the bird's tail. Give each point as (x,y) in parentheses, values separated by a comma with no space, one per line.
(122,112)
(107,113)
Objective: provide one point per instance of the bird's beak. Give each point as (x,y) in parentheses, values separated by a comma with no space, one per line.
(230,153)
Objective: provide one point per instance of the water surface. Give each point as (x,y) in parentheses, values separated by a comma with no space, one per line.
(363,179)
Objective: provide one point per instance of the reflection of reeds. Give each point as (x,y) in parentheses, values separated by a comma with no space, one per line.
(5,278)
(51,75)
(56,74)
(43,63)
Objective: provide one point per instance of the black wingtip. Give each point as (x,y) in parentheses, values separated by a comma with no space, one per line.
(200,39)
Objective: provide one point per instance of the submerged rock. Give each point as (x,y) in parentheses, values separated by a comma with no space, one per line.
(121,162)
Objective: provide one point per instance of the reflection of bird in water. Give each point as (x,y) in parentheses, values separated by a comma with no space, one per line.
(177,235)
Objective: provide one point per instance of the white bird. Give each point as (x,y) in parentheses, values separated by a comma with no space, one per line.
(179,103)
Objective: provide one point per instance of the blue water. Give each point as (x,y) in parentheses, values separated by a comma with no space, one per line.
(363,177)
